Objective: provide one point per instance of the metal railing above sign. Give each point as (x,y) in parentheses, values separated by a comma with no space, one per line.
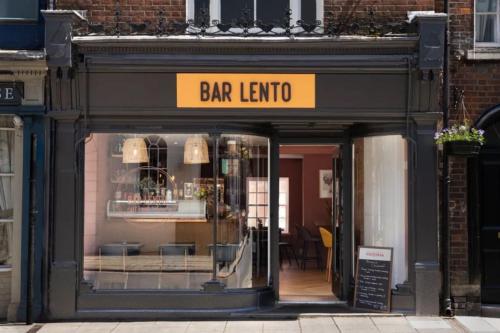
(332,25)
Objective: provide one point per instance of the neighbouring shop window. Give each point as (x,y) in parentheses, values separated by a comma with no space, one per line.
(380,191)
(150,203)
(233,11)
(258,202)
(487,23)
(19,9)
(7,188)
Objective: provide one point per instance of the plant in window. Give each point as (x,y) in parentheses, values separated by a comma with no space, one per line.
(461,138)
(201,194)
(146,184)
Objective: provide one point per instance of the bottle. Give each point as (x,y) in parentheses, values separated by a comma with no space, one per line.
(169,195)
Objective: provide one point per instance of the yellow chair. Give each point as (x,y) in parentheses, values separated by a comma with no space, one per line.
(326,237)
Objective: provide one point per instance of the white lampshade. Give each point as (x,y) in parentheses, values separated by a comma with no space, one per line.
(135,151)
(196,150)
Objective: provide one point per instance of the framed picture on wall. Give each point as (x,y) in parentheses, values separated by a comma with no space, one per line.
(188,190)
(325,183)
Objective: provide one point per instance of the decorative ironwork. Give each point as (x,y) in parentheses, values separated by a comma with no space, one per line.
(334,25)
(117,17)
(160,30)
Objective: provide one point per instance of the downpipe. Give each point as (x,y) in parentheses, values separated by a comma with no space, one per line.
(447,308)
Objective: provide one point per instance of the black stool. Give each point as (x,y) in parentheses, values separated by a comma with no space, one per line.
(309,241)
(285,250)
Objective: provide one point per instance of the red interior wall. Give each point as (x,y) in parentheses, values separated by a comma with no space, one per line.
(315,209)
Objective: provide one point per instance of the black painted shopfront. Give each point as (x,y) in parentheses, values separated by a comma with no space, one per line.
(196,103)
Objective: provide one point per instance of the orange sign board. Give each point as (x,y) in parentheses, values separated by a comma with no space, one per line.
(223,90)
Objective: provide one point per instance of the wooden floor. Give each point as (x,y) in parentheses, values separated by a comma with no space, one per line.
(309,285)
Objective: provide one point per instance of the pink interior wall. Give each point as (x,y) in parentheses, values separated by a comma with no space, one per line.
(316,210)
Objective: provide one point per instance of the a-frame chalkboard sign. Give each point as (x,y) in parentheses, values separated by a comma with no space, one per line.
(373,279)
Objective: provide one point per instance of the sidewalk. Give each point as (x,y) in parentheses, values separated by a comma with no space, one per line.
(310,323)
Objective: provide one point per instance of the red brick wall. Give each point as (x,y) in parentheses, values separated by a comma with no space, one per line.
(385,10)
(480,81)
(135,11)
(457,219)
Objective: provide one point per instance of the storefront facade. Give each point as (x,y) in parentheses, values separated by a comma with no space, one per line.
(158,121)
(22,150)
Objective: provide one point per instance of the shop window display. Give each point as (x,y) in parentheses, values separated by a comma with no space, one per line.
(150,205)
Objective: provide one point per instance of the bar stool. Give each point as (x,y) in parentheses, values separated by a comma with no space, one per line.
(309,241)
(285,250)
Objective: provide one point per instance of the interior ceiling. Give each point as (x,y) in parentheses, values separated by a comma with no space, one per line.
(324,129)
(309,150)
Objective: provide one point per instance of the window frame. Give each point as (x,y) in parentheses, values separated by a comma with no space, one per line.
(267,203)
(496,43)
(14,20)
(215,10)
(15,193)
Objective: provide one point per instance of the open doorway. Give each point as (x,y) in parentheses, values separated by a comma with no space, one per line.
(309,189)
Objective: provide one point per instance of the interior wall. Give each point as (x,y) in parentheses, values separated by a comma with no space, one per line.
(292,168)
(316,210)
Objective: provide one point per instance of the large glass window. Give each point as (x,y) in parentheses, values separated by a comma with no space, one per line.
(19,9)
(380,198)
(487,23)
(150,204)
(7,173)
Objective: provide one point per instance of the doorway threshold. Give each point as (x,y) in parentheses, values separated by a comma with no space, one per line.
(311,302)
(299,308)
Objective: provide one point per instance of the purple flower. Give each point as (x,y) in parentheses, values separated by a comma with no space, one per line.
(481,131)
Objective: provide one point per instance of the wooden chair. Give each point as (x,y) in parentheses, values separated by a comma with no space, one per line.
(326,237)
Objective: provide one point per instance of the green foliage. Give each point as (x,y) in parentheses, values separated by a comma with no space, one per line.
(462,132)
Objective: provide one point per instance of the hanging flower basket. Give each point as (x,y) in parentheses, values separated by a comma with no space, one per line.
(462,148)
(461,140)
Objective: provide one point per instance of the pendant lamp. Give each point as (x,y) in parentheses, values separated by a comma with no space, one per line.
(196,150)
(135,151)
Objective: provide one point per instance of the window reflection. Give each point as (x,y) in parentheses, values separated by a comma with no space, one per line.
(149,209)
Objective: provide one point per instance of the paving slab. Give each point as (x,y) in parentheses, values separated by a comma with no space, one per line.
(318,325)
(206,327)
(495,322)
(430,325)
(89,327)
(393,324)
(476,324)
(135,327)
(289,326)
(170,327)
(60,328)
(355,324)
(15,328)
(245,326)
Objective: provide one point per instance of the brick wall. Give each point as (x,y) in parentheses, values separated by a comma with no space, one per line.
(385,10)
(138,11)
(131,11)
(480,81)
